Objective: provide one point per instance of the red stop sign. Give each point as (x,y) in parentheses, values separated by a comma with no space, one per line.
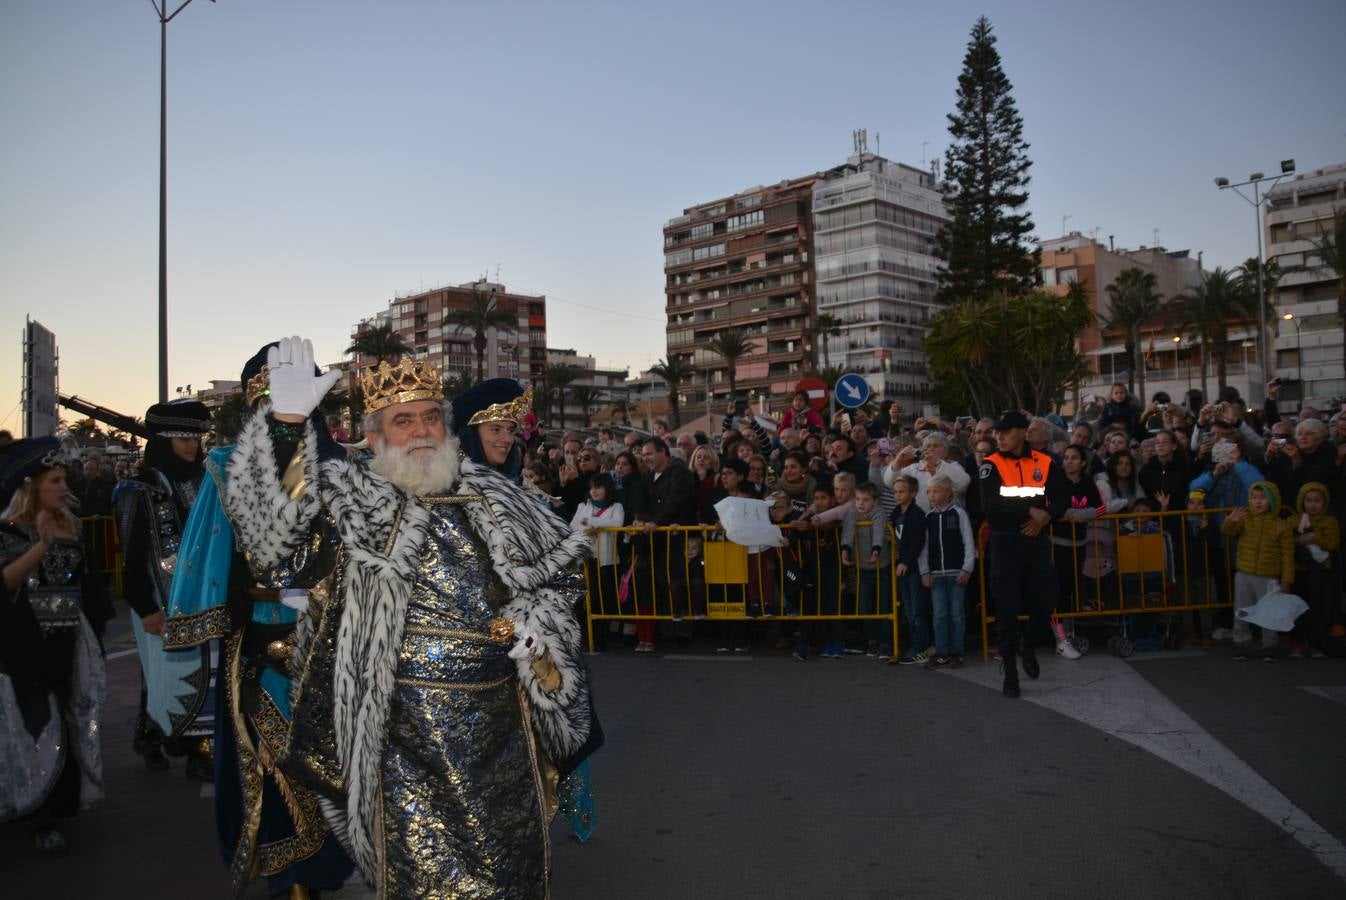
(816,388)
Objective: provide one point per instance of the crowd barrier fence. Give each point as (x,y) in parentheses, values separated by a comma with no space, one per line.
(1121,565)
(100,542)
(682,572)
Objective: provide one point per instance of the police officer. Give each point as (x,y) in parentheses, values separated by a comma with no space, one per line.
(1016,482)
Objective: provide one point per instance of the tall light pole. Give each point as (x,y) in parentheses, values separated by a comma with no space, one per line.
(1299,355)
(159,7)
(1257,199)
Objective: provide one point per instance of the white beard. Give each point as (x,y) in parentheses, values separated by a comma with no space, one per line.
(420,473)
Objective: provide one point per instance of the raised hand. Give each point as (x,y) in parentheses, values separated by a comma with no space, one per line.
(295,390)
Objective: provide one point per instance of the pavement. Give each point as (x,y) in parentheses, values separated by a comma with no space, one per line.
(1183,774)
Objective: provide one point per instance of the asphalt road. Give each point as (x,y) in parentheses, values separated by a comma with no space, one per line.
(1169,775)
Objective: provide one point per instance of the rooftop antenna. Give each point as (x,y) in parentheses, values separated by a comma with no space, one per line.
(877,151)
(1155,241)
(860,140)
(1064,219)
(497,273)
(924,144)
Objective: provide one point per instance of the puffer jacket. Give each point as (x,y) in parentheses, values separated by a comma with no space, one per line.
(1326,530)
(1266,543)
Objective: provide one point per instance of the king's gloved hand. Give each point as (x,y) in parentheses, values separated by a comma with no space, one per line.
(295,390)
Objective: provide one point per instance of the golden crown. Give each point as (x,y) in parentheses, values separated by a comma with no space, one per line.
(513,411)
(384,384)
(259,386)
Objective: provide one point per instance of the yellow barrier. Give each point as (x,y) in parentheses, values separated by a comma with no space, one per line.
(1125,564)
(680,571)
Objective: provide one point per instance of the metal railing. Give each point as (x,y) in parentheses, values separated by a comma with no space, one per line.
(1126,564)
(691,571)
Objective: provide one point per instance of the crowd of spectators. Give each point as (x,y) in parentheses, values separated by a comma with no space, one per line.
(824,478)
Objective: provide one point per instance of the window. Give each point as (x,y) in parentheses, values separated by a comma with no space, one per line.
(677,258)
(705,229)
(746,202)
(706,252)
(746,220)
(1067,276)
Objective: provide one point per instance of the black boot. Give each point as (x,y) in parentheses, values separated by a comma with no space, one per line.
(1011,686)
(1028,659)
(149,743)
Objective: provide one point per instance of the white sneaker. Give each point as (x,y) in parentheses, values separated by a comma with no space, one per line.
(1066,650)
(1222,634)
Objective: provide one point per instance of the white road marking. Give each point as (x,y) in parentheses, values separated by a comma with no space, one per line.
(1106,693)
(1335,692)
(120,653)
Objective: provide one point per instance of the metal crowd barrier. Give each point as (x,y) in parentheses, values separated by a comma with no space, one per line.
(692,572)
(100,542)
(1122,565)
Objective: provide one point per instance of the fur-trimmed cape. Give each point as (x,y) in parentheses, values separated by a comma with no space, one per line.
(382,531)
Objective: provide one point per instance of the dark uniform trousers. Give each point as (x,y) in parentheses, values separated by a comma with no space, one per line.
(1023,580)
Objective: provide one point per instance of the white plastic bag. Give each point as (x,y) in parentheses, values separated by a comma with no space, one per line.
(1275,612)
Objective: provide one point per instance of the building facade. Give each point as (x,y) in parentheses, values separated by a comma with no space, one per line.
(1173,366)
(1309,346)
(605,385)
(422,319)
(874,227)
(742,262)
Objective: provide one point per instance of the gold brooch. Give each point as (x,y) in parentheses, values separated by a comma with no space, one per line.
(502,630)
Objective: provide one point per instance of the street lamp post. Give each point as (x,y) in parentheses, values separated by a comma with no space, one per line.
(1299,355)
(159,7)
(1257,199)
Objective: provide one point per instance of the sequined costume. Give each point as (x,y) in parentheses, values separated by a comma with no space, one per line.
(439,752)
(52,684)
(268,825)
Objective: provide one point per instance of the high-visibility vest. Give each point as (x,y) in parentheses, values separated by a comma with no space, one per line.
(1025,476)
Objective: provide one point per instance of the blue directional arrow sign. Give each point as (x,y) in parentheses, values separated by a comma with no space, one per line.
(852,390)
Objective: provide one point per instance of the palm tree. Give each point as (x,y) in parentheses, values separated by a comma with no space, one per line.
(730,345)
(675,372)
(559,378)
(381,342)
(481,315)
(1132,299)
(1207,310)
(825,325)
(586,396)
(455,383)
(622,406)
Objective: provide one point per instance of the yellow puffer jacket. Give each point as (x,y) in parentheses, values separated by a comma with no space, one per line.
(1326,531)
(1266,541)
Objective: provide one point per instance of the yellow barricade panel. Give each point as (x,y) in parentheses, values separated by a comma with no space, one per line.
(1138,553)
(726,563)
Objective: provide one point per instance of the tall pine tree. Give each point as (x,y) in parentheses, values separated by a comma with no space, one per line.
(984,247)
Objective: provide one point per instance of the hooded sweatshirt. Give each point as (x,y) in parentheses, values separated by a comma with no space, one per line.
(1326,532)
(1266,544)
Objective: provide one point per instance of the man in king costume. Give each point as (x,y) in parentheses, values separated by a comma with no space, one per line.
(440,690)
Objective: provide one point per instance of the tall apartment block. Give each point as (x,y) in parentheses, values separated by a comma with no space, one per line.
(743,262)
(1308,357)
(874,227)
(519,352)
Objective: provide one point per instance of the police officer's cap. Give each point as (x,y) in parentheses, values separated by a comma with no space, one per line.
(1011,418)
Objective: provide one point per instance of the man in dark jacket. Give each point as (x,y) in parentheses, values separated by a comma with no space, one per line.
(672,490)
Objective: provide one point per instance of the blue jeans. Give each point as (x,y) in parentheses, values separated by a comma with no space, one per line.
(946,596)
(916,608)
(876,595)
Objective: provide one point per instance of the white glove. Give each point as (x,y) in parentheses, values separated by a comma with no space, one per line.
(526,646)
(295,390)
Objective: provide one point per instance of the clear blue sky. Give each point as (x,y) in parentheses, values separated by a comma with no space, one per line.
(326,155)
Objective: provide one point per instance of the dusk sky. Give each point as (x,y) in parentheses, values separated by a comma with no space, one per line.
(325,156)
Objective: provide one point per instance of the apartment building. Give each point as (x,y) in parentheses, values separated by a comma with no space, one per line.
(1309,345)
(743,262)
(874,227)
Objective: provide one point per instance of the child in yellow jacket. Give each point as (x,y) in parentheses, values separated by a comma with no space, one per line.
(1317,537)
(1265,560)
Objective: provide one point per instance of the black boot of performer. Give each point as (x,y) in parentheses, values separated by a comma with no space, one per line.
(149,743)
(1011,687)
(1029,660)
(201,762)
